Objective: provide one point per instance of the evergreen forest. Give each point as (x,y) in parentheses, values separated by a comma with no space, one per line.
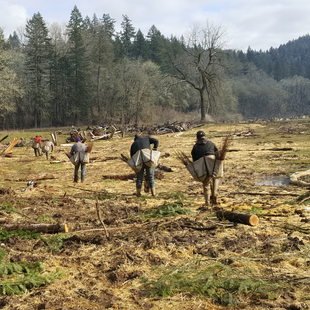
(87,73)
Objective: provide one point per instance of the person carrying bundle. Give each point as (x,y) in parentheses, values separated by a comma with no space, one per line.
(48,148)
(206,148)
(79,157)
(36,145)
(141,143)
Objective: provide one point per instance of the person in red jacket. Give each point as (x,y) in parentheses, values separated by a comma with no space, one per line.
(37,145)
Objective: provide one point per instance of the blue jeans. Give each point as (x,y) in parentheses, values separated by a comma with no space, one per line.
(76,172)
(150,172)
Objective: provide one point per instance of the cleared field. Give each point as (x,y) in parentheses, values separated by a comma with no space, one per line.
(164,252)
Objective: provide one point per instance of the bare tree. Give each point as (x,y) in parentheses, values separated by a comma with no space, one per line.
(199,63)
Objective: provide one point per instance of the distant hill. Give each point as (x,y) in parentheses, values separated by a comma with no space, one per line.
(292,58)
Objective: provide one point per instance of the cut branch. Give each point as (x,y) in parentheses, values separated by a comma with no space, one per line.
(41,228)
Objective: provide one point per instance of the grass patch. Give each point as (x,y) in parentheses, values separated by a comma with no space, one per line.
(225,285)
(23,234)
(55,242)
(179,196)
(7,208)
(19,277)
(46,218)
(256,211)
(166,210)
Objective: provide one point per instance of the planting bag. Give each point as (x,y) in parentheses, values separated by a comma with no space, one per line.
(150,157)
(145,156)
(135,162)
(206,167)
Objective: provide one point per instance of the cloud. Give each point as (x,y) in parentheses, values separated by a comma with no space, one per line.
(256,23)
(262,24)
(12,16)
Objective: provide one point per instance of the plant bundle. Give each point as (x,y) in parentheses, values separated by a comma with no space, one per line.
(183,158)
(89,147)
(124,158)
(224,149)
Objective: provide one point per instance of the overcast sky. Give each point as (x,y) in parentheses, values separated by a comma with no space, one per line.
(260,24)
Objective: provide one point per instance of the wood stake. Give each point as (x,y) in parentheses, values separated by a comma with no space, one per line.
(100,219)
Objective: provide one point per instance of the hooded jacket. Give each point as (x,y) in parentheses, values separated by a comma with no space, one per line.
(143,143)
(203,147)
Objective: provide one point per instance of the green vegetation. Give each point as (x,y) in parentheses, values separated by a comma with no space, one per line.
(166,210)
(20,277)
(54,243)
(95,71)
(224,284)
(7,208)
(256,210)
(46,218)
(23,234)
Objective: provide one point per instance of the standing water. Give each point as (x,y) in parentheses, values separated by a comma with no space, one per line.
(278,180)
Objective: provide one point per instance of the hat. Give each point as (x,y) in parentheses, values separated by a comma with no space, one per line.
(200,134)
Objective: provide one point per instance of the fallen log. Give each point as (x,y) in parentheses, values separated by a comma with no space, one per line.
(263,194)
(40,228)
(11,145)
(247,219)
(164,168)
(281,149)
(295,178)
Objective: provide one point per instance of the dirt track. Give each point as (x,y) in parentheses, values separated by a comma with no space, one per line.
(103,271)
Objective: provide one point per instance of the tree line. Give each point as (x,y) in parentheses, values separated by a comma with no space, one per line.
(89,73)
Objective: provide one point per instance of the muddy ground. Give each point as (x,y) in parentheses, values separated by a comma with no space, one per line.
(109,267)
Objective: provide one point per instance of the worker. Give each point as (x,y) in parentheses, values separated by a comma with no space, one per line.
(78,152)
(204,147)
(140,143)
(37,146)
(48,148)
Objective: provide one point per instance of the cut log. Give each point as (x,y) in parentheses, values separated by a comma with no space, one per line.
(40,228)
(10,147)
(247,219)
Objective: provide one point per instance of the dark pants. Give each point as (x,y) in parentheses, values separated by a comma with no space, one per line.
(150,172)
(76,172)
(37,151)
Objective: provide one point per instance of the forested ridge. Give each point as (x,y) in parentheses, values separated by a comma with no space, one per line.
(89,73)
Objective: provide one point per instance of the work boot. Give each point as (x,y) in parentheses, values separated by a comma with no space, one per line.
(146,186)
(138,192)
(153,191)
(213,200)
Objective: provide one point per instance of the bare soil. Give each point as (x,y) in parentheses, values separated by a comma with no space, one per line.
(105,267)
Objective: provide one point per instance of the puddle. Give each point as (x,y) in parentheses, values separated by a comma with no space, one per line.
(274,181)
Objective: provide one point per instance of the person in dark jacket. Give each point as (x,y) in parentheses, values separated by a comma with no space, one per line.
(204,147)
(144,142)
(79,149)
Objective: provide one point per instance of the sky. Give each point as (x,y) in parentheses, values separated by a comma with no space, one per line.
(259,24)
